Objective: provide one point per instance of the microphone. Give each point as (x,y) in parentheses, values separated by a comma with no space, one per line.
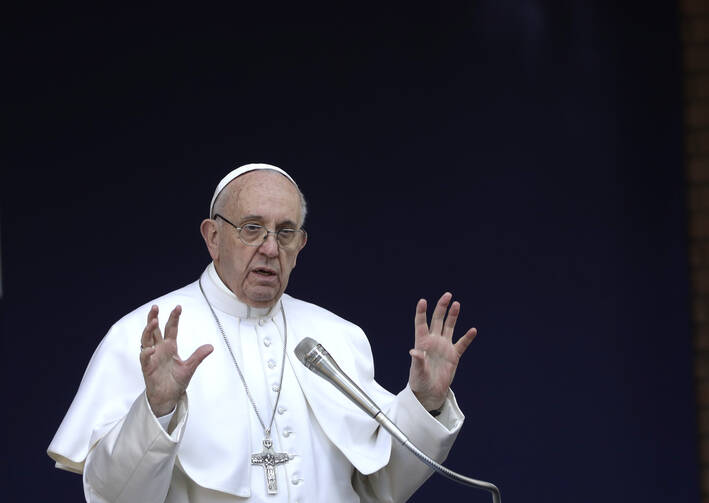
(317,359)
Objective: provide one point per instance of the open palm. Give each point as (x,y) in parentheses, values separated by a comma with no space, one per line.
(166,375)
(435,357)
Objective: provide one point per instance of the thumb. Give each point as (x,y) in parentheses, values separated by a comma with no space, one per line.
(198,356)
(418,360)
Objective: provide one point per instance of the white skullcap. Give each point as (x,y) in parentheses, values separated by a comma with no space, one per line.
(240,171)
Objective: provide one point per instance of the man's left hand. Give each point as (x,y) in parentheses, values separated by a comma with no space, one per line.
(435,358)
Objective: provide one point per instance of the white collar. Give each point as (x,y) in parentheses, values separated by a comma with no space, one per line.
(224,299)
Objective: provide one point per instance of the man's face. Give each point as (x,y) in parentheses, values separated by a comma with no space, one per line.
(257,275)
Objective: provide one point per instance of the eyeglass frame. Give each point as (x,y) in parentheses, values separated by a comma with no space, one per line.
(275,233)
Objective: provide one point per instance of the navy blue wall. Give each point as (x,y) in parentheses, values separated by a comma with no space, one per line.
(525,155)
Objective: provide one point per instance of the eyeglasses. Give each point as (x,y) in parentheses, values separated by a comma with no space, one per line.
(255,235)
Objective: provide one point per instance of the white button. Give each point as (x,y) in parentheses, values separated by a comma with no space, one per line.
(271,363)
(266,341)
(296,480)
(287,433)
(281,409)
(261,322)
(275,388)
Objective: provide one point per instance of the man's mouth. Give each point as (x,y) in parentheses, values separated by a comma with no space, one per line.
(264,271)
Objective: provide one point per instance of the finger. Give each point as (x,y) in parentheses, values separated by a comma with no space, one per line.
(418,354)
(172,322)
(451,320)
(155,333)
(418,360)
(145,355)
(153,313)
(439,313)
(465,341)
(420,322)
(198,357)
(146,338)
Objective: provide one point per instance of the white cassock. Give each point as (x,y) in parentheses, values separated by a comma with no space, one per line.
(338,453)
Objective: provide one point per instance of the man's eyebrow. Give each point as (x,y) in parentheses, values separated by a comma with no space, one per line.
(287,223)
(259,218)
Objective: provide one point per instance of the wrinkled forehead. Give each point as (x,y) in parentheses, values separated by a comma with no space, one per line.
(240,172)
(263,196)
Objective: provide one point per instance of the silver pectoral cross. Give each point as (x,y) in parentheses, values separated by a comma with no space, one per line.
(269,459)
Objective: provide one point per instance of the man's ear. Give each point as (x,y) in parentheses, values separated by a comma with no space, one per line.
(302,245)
(208,228)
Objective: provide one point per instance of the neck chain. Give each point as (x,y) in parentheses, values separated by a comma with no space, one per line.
(268,458)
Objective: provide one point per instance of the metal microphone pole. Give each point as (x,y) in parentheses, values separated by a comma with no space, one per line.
(317,359)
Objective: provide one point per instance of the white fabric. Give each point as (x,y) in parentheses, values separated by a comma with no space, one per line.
(206,458)
(240,171)
(165,420)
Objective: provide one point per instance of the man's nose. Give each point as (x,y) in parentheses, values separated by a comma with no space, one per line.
(269,247)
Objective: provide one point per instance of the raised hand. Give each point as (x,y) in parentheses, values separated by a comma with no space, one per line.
(435,358)
(166,375)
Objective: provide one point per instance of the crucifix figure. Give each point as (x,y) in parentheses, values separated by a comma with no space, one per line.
(269,459)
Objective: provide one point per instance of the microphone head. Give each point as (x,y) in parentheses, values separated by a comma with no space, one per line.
(303,348)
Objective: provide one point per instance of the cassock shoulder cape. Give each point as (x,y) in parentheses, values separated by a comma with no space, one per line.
(212,450)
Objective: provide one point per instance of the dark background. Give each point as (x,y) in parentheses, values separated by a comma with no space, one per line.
(525,155)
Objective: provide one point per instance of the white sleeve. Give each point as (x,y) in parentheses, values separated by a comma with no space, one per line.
(165,420)
(134,460)
(405,473)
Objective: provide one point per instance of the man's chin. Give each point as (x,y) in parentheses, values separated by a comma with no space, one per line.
(262,297)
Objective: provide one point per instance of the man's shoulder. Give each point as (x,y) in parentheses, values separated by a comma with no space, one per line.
(305,307)
(185,296)
(346,341)
(313,312)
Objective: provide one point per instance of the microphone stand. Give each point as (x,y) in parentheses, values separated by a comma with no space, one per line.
(456,477)
(317,359)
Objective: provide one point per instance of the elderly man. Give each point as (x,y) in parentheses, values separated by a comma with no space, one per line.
(241,419)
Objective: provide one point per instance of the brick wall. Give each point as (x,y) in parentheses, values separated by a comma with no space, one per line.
(695,39)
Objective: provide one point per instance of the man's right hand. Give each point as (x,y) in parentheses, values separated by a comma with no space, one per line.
(166,375)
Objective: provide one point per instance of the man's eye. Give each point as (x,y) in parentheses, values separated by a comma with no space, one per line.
(251,228)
